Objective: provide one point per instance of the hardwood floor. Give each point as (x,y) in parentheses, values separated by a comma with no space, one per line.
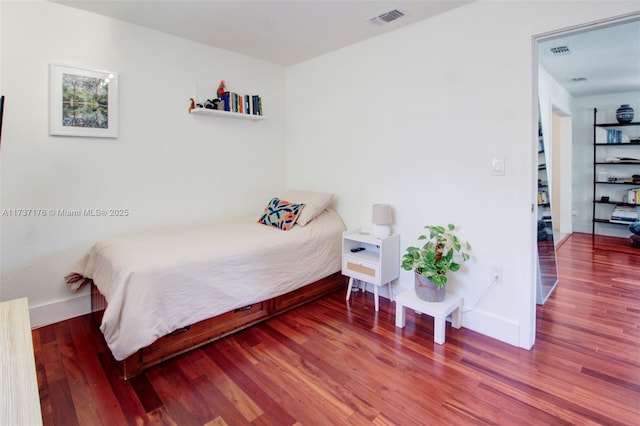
(331,363)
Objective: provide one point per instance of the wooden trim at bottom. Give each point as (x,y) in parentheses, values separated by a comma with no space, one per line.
(217,327)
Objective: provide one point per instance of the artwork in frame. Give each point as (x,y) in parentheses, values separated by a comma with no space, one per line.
(84,102)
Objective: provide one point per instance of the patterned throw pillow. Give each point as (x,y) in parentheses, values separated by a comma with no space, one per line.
(281,214)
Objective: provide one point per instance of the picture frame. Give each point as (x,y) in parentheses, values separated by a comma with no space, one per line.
(83,102)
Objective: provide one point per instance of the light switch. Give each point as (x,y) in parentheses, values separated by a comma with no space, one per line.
(497,166)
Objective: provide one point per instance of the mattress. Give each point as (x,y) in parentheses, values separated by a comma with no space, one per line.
(159,281)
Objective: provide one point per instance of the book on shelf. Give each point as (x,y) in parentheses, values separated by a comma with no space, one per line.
(624,214)
(543,197)
(257,104)
(611,136)
(622,160)
(224,98)
(241,104)
(633,196)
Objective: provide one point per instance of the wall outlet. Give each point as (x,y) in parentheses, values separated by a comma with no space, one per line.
(496,274)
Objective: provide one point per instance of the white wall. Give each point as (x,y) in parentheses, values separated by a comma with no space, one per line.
(411,118)
(414,117)
(554,97)
(167,167)
(583,156)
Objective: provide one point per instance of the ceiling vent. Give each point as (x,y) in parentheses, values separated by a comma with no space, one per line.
(577,79)
(387,17)
(560,50)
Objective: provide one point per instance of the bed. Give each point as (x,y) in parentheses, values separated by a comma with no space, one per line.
(160,293)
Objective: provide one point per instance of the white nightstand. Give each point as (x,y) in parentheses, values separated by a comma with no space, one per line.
(377,264)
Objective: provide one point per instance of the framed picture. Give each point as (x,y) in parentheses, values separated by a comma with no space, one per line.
(84,102)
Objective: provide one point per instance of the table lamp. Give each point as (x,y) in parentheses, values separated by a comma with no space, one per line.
(381,217)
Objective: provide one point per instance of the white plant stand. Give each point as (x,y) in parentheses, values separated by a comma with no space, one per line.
(452,304)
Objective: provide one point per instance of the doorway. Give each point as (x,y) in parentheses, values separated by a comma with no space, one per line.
(570,67)
(575,75)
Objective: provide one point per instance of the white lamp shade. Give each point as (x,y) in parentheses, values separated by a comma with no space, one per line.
(381,217)
(381,214)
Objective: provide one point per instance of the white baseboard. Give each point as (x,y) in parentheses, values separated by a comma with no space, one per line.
(61,310)
(498,328)
(482,322)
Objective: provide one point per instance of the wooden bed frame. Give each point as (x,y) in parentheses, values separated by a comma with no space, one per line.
(203,332)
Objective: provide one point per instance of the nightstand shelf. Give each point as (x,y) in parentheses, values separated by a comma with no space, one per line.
(378,264)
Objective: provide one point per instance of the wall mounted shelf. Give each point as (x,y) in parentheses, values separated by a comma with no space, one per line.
(227,114)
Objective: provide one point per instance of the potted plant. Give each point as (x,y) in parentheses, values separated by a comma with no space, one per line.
(442,252)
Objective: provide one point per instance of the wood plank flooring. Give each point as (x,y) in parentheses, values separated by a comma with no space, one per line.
(332,362)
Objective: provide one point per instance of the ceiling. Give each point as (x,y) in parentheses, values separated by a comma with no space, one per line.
(608,57)
(287,32)
(284,32)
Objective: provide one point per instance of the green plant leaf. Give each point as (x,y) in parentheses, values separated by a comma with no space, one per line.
(436,256)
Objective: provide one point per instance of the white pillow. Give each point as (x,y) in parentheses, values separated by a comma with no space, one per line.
(314,203)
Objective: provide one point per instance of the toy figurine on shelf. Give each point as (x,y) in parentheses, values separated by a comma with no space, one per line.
(221,88)
(192,104)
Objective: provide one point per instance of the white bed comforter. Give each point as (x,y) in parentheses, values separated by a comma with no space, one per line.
(157,282)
